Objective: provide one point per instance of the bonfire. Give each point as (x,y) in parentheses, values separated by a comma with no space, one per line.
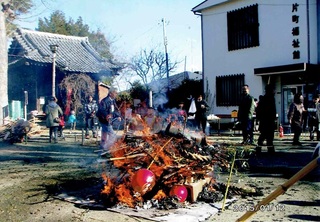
(164,167)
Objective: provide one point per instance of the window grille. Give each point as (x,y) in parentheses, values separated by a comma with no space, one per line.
(228,89)
(243,28)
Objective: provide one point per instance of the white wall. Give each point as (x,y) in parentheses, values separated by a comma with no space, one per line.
(275,30)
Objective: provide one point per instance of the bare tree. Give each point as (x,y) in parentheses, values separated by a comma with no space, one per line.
(151,65)
(81,86)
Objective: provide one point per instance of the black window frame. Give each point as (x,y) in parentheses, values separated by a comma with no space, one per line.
(243,28)
(228,89)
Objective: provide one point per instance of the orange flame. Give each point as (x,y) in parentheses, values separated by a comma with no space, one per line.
(160,195)
(109,185)
(124,195)
(158,158)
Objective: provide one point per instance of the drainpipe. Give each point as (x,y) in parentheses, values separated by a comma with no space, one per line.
(308,30)
(200,14)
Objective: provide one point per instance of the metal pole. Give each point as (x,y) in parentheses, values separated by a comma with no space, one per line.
(53,49)
(166,51)
(25,104)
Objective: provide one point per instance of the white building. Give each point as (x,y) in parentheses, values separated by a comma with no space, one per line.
(258,42)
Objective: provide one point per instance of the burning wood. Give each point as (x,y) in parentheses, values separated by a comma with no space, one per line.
(160,167)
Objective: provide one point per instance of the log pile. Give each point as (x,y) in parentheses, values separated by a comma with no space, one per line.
(15,131)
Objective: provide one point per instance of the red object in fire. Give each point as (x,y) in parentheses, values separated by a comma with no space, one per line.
(143,181)
(179,191)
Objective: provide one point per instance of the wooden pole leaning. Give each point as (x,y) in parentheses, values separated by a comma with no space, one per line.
(282,188)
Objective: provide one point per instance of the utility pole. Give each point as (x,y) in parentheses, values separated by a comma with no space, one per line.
(166,51)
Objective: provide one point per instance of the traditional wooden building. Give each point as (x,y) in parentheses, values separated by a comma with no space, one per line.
(33,63)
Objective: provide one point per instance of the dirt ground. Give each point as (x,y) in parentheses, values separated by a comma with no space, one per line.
(32,172)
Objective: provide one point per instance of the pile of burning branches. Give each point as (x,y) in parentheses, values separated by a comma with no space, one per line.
(162,168)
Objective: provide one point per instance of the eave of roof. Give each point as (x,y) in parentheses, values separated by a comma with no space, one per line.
(74,54)
(206,4)
(290,68)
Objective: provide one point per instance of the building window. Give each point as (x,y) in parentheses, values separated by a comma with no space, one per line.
(243,28)
(228,89)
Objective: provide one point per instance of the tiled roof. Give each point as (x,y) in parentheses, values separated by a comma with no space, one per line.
(174,81)
(74,54)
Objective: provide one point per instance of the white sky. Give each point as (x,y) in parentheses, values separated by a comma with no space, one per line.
(132,25)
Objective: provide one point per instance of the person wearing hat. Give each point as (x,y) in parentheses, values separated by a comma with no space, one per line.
(108,111)
(53,113)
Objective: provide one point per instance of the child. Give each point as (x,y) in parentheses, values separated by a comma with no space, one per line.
(72,120)
(61,127)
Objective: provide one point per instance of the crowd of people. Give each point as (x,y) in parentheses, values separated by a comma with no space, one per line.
(265,109)
(102,116)
(137,118)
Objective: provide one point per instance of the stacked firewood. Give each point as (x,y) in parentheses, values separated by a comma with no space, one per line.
(5,130)
(15,131)
(173,158)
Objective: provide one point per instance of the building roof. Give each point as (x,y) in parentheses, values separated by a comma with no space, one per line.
(74,54)
(174,81)
(207,4)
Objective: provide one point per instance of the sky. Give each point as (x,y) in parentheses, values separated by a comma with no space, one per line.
(132,25)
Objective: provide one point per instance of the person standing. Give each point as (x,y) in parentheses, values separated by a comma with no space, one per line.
(108,111)
(53,112)
(201,113)
(295,117)
(182,114)
(312,117)
(127,115)
(72,120)
(266,115)
(245,115)
(150,119)
(318,118)
(90,109)
(61,128)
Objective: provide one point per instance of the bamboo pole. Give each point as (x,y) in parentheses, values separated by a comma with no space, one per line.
(128,157)
(154,158)
(282,188)
(229,179)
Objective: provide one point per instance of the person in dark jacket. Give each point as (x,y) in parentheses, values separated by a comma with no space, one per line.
(245,115)
(266,115)
(295,117)
(108,112)
(91,109)
(53,114)
(312,117)
(201,113)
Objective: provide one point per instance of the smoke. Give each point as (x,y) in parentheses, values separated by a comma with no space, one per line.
(159,100)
